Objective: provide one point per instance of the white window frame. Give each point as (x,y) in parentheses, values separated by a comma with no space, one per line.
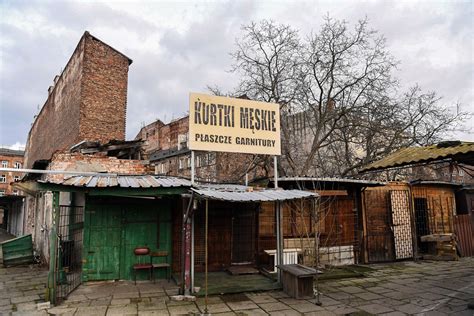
(3,178)
(4,164)
(17,165)
(2,192)
(15,192)
(16,178)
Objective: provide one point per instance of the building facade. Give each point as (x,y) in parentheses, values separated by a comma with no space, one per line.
(10,159)
(166,146)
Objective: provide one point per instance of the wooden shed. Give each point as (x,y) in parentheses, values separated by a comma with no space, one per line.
(397,215)
(336,221)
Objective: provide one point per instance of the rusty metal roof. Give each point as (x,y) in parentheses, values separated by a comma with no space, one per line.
(461,152)
(239,195)
(122,181)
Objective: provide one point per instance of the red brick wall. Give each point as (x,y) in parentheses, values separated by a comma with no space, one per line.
(87,102)
(95,163)
(104,93)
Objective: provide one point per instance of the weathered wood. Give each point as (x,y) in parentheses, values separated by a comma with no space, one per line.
(17,251)
(437,237)
(464,233)
(297,280)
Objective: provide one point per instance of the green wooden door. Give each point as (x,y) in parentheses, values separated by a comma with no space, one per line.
(102,241)
(113,230)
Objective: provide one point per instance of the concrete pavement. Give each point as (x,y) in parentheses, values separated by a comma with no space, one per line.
(405,288)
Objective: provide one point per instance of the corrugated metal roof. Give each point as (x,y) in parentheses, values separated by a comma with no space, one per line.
(122,181)
(327,179)
(435,182)
(462,152)
(267,195)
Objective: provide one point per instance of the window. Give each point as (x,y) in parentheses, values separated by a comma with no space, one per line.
(3,178)
(181,163)
(16,178)
(17,165)
(15,192)
(2,192)
(211,158)
(182,141)
(4,164)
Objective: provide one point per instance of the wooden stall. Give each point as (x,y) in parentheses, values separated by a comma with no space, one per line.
(334,222)
(397,215)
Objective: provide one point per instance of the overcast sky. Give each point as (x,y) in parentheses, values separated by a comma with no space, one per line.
(183,46)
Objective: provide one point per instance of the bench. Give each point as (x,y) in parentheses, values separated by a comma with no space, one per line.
(297,280)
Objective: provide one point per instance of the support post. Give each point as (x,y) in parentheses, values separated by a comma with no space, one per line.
(192,167)
(53,251)
(414,237)
(275,170)
(279,234)
(185,245)
(192,253)
(206,253)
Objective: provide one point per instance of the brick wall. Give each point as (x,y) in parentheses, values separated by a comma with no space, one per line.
(151,135)
(104,92)
(86,102)
(95,163)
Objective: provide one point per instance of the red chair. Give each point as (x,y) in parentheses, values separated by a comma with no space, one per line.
(142,252)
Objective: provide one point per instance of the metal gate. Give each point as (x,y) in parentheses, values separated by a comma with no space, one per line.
(69,245)
(401,219)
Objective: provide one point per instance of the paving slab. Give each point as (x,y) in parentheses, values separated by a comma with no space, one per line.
(216,308)
(396,289)
(272,307)
(375,309)
(306,307)
(92,310)
(183,309)
(130,309)
(237,306)
(286,312)
(261,298)
(368,296)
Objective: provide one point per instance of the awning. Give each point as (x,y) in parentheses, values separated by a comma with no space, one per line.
(122,181)
(238,195)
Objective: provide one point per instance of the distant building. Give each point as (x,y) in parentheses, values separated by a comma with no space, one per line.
(166,146)
(10,159)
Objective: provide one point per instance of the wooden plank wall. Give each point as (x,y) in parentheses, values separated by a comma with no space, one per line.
(378,236)
(465,234)
(337,223)
(219,235)
(441,206)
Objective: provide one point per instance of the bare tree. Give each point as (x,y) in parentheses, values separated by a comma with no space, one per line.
(341,105)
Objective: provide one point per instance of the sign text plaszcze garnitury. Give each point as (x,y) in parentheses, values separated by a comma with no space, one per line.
(233,125)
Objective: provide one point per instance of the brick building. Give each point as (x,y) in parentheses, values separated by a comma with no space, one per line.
(166,147)
(10,159)
(87,101)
